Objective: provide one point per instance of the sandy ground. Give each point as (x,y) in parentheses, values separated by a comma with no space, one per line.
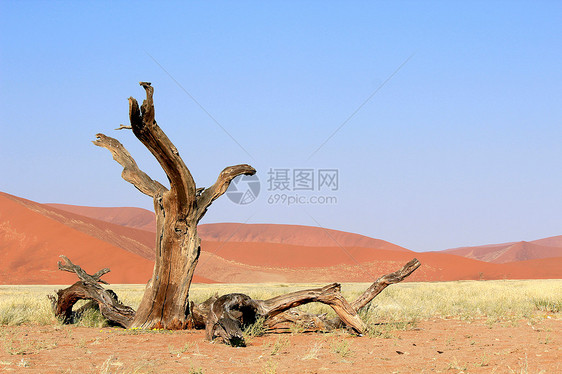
(432,346)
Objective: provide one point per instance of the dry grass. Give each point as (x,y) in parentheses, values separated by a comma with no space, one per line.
(399,306)
(25,304)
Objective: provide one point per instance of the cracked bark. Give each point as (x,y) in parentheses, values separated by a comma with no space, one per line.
(165,303)
(179,208)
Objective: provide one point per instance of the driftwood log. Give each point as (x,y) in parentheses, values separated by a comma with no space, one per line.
(88,288)
(224,318)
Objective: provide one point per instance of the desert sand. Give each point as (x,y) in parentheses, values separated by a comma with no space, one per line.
(512,252)
(441,346)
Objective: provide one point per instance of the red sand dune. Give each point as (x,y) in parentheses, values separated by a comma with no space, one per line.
(136,218)
(510,252)
(137,241)
(458,268)
(32,236)
(237,232)
(435,267)
(295,256)
(31,240)
(290,234)
(553,241)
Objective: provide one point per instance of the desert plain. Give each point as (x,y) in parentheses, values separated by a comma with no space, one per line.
(487,309)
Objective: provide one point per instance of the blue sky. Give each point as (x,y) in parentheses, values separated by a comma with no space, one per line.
(461,146)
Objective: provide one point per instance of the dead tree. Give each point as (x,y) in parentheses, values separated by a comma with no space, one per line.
(165,303)
(179,208)
(88,288)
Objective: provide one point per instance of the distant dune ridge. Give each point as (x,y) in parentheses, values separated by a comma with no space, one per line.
(136,218)
(512,252)
(33,235)
(143,219)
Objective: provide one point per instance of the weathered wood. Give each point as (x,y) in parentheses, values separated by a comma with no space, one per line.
(165,303)
(89,289)
(109,306)
(226,316)
(302,321)
(131,172)
(381,283)
(330,295)
(210,194)
(67,265)
(199,313)
(146,130)
(178,209)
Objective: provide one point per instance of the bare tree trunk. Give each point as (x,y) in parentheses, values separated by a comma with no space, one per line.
(330,295)
(228,314)
(165,303)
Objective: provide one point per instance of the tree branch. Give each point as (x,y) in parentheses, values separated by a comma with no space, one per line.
(383,282)
(210,194)
(281,321)
(88,288)
(330,295)
(67,265)
(225,316)
(131,172)
(151,135)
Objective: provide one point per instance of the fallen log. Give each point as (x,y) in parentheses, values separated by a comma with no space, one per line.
(88,288)
(224,318)
(314,322)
